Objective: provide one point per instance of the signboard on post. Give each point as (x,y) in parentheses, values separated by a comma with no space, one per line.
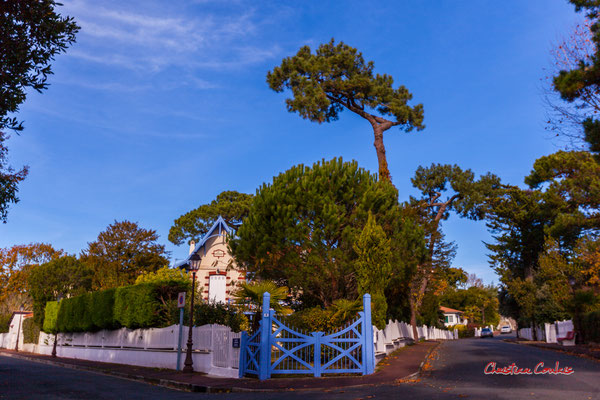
(181,300)
(236,343)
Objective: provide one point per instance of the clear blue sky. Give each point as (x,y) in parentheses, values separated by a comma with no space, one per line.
(160,106)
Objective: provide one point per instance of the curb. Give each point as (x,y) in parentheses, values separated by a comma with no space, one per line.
(192,387)
(418,373)
(188,387)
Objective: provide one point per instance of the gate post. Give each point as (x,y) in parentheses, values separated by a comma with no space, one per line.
(317,353)
(367,330)
(264,363)
(242,362)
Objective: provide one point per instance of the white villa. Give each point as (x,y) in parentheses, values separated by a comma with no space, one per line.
(452,316)
(218,273)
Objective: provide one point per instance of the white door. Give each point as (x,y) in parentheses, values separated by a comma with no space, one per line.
(216,288)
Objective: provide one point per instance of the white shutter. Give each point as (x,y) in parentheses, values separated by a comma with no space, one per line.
(216,288)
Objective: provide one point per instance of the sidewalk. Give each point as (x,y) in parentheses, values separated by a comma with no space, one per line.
(399,365)
(581,350)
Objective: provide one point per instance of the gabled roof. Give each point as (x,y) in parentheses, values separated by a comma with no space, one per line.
(450,310)
(219,228)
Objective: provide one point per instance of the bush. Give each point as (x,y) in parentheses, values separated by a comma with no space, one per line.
(5,322)
(147,305)
(313,319)
(219,313)
(590,326)
(75,314)
(31,331)
(464,331)
(50,317)
(102,309)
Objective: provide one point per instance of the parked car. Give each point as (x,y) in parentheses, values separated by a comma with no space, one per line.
(506,329)
(487,332)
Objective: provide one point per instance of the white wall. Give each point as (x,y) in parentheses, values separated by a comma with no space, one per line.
(156,347)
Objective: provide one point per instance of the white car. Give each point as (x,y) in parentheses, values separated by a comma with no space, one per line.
(506,329)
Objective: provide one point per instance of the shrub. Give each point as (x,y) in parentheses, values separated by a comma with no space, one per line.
(590,326)
(313,319)
(219,313)
(31,331)
(5,322)
(50,317)
(136,306)
(102,309)
(75,314)
(464,331)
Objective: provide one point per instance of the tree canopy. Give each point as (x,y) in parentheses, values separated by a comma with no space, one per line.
(16,264)
(123,252)
(301,228)
(336,77)
(9,180)
(31,35)
(231,205)
(63,277)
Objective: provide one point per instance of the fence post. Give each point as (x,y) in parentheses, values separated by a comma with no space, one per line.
(242,361)
(367,334)
(265,331)
(317,355)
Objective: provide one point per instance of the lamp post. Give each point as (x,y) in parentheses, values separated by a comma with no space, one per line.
(59,298)
(19,330)
(193,266)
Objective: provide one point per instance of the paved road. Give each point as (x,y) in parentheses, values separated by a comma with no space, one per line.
(457,373)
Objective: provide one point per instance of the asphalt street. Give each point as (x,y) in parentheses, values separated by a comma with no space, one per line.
(457,371)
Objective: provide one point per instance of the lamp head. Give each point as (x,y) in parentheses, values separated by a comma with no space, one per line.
(194,262)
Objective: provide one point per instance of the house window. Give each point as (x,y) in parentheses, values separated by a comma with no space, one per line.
(450,319)
(216,288)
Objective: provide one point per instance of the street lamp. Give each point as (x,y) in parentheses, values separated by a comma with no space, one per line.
(193,266)
(58,299)
(19,330)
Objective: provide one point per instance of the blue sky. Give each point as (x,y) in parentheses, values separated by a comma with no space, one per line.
(160,106)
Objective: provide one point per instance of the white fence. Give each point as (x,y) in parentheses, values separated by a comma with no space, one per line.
(157,347)
(550,333)
(397,334)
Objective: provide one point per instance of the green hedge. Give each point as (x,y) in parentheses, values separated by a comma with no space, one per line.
(75,314)
(590,326)
(5,322)
(50,317)
(31,331)
(145,305)
(103,304)
(136,306)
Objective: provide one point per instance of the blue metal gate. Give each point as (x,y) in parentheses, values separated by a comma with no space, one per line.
(278,349)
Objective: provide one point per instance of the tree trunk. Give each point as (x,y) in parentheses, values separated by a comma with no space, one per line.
(384,172)
(413,319)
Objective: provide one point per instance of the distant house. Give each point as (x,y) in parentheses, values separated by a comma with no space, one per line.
(452,316)
(218,274)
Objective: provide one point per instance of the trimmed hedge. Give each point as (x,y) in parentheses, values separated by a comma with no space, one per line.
(50,317)
(102,305)
(590,325)
(136,306)
(5,322)
(31,331)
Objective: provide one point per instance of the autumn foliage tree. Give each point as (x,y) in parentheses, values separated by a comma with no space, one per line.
(123,252)
(16,264)
(336,77)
